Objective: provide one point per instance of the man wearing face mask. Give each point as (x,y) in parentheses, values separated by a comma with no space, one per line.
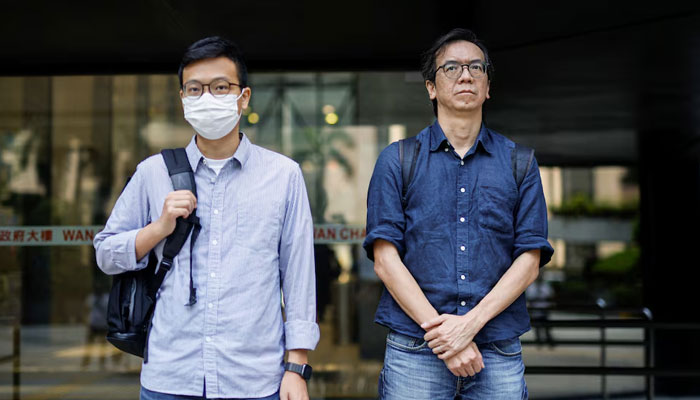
(219,330)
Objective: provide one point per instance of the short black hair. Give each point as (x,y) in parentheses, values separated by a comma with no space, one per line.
(429,58)
(213,47)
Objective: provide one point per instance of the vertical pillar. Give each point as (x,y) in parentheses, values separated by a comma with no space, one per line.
(669,138)
(35,208)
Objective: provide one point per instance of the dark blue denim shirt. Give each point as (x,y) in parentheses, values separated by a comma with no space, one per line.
(465,223)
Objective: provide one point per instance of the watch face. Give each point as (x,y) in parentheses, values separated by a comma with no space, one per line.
(303,370)
(307,371)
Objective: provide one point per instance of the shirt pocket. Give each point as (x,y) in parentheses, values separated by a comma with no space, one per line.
(258,224)
(496,205)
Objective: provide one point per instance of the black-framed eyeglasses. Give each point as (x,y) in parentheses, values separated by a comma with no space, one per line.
(217,88)
(453,69)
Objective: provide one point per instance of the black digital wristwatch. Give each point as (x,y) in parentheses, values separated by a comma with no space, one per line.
(303,370)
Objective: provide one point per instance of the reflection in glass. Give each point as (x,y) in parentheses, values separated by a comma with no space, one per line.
(69,144)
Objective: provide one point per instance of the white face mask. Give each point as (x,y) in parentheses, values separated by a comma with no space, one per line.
(212,117)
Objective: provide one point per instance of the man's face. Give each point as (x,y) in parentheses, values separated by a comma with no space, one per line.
(465,93)
(210,69)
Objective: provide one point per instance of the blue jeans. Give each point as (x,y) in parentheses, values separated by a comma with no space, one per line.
(412,372)
(150,395)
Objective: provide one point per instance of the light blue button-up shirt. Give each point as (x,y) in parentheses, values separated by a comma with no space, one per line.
(255,250)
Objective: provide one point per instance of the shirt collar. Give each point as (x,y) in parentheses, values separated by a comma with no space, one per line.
(438,139)
(193,153)
(243,151)
(241,155)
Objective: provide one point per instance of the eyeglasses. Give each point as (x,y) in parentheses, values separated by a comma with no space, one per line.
(453,69)
(217,88)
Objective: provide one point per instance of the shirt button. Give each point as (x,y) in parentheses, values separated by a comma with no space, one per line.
(208,339)
(461,219)
(463,303)
(462,248)
(211,180)
(213,275)
(211,305)
(447,149)
(461,162)
(463,278)
(216,211)
(214,242)
(462,190)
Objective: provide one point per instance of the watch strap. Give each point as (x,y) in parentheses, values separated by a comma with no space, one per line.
(303,370)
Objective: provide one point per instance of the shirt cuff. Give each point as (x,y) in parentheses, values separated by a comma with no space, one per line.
(368,244)
(301,335)
(534,243)
(124,251)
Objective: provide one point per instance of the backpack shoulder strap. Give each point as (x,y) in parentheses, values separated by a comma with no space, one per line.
(408,153)
(521,160)
(179,169)
(182,178)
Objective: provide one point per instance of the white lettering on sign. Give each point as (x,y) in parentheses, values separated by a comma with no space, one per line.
(84,235)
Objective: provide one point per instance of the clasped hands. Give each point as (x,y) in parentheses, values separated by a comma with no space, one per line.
(450,337)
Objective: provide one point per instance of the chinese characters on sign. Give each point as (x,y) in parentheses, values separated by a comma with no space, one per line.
(47,235)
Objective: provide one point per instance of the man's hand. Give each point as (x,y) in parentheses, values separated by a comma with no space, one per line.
(179,203)
(449,334)
(293,387)
(467,362)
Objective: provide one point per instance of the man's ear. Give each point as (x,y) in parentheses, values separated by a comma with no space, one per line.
(430,87)
(245,99)
(488,89)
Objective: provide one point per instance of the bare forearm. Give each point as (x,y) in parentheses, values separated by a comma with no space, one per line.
(293,386)
(298,356)
(409,296)
(450,334)
(512,284)
(179,203)
(401,284)
(147,238)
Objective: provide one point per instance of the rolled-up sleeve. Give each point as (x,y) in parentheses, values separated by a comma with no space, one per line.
(385,216)
(297,269)
(531,218)
(115,244)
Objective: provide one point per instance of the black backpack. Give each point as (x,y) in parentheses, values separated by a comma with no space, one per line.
(521,158)
(132,298)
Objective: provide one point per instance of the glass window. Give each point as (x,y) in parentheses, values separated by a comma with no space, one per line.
(68,144)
